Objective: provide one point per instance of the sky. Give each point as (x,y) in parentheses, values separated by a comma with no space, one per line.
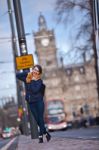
(30,11)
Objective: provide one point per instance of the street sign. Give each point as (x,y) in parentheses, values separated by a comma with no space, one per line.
(24,62)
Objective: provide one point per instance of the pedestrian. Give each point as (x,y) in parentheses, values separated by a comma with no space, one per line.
(35,88)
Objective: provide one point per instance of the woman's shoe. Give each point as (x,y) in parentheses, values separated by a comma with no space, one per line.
(40,139)
(48,136)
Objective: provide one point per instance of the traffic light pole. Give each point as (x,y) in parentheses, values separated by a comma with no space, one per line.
(23,51)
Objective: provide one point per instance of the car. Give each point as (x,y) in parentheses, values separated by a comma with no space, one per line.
(6,134)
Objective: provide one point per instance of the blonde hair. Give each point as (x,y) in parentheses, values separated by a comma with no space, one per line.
(29,77)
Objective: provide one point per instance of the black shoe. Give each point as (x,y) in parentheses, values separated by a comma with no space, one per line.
(40,139)
(48,136)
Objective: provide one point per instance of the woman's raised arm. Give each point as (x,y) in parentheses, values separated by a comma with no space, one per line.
(22,76)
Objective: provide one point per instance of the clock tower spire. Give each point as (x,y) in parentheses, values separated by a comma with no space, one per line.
(42,22)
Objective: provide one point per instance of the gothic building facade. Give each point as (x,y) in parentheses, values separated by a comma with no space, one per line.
(76,84)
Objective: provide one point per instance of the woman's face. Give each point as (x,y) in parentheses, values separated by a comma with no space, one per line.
(35,72)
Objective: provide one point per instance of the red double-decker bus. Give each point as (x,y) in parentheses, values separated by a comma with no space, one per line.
(55,115)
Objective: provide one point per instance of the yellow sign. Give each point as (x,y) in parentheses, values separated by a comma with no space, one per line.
(24,62)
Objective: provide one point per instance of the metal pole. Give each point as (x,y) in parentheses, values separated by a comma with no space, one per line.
(23,51)
(20,27)
(95,50)
(15,53)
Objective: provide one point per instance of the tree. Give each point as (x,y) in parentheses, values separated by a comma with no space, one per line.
(77,15)
(83,34)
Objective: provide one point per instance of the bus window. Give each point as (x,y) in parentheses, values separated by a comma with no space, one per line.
(56,118)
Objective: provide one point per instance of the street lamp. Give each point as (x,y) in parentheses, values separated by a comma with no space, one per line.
(15,53)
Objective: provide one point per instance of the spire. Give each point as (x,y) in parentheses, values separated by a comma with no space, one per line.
(42,22)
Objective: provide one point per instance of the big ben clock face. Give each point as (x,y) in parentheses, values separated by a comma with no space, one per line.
(45,42)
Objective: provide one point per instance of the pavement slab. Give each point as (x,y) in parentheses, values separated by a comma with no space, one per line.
(26,143)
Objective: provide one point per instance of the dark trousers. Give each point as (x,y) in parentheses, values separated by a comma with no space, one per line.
(37,109)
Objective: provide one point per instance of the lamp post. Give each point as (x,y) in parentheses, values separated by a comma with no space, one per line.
(15,53)
(95,17)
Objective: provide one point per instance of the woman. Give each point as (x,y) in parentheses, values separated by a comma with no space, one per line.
(34,96)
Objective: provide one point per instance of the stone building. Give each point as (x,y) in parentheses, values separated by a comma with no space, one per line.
(8,112)
(75,84)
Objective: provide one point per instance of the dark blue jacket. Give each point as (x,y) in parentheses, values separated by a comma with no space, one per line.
(34,89)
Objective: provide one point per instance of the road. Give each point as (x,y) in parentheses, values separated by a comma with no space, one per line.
(3,142)
(82,133)
(8,144)
(91,133)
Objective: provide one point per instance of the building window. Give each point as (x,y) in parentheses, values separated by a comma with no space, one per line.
(68,72)
(43,63)
(82,70)
(86,108)
(48,62)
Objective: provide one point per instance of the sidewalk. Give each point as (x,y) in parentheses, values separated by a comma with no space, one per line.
(26,143)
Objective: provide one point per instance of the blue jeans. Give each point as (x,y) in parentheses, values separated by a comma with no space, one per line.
(37,109)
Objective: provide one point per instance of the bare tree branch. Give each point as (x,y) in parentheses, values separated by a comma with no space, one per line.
(83,30)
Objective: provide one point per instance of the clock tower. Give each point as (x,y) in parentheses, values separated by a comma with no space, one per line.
(45,46)
(46,51)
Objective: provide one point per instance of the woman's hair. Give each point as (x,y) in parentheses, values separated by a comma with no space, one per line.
(29,77)
(39,68)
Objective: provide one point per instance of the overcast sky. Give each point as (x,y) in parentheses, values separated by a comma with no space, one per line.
(31,10)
